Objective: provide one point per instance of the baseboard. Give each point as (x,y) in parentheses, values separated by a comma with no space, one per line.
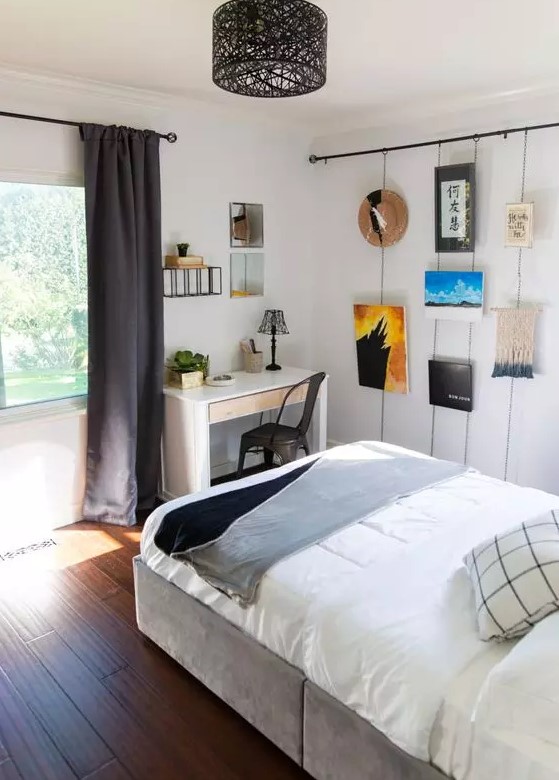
(252,459)
(49,520)
(222,469)
(75,516)
(165,496)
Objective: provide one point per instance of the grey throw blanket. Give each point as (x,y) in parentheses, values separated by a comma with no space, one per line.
(342,488)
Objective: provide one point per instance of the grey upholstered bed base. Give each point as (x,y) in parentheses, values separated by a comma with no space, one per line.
(325,737)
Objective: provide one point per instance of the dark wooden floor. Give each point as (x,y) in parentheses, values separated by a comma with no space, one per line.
(84,694)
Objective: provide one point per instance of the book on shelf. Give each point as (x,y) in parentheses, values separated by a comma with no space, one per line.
(190,261)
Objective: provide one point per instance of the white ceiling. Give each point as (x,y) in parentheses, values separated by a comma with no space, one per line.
(381,55)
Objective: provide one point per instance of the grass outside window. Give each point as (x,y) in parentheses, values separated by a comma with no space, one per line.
(43,293)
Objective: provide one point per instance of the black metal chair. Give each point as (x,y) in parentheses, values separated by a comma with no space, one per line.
(282,440)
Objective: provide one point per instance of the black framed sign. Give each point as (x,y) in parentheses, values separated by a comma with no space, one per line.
(455,208)
(450,385)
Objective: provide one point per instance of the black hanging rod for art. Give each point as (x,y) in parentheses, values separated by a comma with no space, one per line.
(475,137)
(171,137)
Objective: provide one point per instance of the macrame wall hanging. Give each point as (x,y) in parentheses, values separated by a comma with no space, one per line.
(515,343)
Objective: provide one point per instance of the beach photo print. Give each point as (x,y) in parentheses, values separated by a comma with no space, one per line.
(454,295)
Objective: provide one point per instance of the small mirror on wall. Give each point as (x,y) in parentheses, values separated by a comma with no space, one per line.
(246,224)
(247,274)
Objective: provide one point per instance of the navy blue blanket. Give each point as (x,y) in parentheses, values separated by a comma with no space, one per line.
(200,522)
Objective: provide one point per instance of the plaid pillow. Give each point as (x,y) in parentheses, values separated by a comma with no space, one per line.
(515,576)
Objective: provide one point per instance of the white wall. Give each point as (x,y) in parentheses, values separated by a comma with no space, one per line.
(350,273)
(42,473)
(317,266)
(223,160)
(219,157)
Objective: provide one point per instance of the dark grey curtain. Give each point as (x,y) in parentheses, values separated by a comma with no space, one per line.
(125,397)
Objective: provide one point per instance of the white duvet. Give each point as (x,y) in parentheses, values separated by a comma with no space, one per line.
(381,616)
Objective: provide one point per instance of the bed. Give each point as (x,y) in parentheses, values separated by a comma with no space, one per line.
(360,657)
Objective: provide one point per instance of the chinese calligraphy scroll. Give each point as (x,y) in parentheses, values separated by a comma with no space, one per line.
(454,206)
(453,209)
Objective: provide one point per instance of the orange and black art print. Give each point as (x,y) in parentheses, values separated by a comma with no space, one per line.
(382,356)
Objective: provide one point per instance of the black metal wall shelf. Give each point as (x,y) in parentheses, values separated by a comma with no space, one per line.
(192,282)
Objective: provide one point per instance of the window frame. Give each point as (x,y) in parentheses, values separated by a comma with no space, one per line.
(58,407)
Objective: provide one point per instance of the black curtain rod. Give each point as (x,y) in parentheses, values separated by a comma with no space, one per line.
(171,137)
(475,137)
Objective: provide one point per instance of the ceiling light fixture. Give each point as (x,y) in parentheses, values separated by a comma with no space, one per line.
(269,48)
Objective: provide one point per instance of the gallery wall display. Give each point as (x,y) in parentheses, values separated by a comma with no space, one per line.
(383,218)
(448,294)
(246,224)
(450,385)
(382,355)
(515,342)
(519,225)
(455,208)
(247,274)
(454,295)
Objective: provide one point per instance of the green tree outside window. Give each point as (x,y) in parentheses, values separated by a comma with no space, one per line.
(43,293)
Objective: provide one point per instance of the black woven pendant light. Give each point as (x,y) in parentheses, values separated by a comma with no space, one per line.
(269,48)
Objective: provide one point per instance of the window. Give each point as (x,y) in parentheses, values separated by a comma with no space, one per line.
(43,293)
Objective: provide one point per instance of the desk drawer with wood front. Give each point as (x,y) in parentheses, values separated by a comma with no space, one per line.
(252,404)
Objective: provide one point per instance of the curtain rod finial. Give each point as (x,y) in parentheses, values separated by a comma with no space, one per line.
(171,137)
(313,159)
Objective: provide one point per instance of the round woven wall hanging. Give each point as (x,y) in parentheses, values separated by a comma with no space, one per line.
(383,218)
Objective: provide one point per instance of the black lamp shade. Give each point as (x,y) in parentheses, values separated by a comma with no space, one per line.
(273,323)
(269,48)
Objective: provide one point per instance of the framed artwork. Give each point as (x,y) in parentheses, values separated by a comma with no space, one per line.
(455,208)
(519,225)
(450,385)
(382,353)
(454,295)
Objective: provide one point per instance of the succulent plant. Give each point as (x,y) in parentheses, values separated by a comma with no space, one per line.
(186,361)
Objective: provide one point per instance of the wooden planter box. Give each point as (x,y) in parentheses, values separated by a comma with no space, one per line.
(185,381)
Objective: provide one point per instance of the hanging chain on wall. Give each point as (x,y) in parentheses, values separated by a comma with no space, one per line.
(470,332)
(518,299)
(384,156)
(436,328)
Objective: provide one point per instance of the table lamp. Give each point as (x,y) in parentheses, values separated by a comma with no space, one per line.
(273,325)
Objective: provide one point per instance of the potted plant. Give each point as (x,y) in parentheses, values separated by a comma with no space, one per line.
(182,249)
(188,369)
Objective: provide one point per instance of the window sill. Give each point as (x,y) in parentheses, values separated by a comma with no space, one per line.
(46,410)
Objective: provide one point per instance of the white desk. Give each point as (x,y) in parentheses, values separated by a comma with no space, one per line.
(190,413)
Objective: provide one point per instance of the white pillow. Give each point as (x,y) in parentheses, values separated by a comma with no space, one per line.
(521,693)
(515,576)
